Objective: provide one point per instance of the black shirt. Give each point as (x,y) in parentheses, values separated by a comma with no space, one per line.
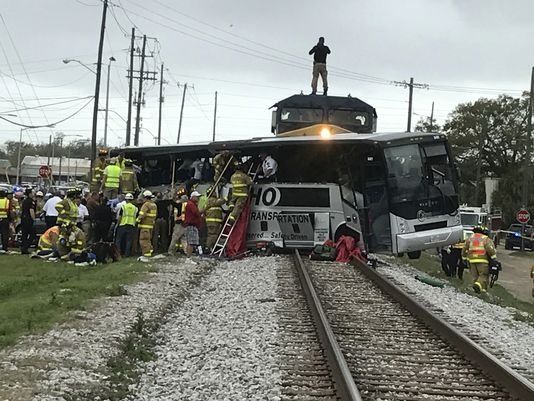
(27,205)
(102,213)
(319,53)
(163,208)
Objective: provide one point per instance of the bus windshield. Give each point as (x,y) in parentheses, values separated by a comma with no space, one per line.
(420,178)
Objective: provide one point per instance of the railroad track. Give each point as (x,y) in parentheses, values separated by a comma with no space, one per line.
(381,344)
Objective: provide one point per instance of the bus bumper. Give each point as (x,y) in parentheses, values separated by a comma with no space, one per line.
(429,239)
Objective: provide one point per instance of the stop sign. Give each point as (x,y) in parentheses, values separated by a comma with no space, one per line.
(523,216)
(44,171)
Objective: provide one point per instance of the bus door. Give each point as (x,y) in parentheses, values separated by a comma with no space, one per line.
(376,211)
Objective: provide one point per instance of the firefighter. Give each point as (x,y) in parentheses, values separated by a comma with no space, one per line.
(532,277)
(6,215)
(111,179)
(71,242)
(220,161)
(67,209)
(128,182)
(98,170)
(120,161)
(145,220)
(48,242)
(213,213)
(126,226)
(478,250)
(241,184)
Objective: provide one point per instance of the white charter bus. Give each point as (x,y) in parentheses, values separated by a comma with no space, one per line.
(395,191)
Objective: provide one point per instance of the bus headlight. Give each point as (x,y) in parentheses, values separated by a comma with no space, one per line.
(325,133)
(458,219)
(402,226)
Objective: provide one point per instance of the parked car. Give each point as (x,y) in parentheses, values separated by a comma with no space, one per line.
(513,237)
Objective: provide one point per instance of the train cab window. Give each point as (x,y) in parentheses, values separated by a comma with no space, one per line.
(349,117)
(303,115)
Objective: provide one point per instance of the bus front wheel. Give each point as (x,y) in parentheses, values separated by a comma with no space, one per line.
(414,254)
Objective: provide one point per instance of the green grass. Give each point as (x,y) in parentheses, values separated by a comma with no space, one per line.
(35,294)
(497,295)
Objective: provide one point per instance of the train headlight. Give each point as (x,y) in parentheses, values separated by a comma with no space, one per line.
(325,133)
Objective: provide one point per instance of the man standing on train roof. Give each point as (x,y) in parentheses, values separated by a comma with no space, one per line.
(319,51)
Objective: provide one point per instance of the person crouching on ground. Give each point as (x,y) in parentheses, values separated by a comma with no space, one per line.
(193,222)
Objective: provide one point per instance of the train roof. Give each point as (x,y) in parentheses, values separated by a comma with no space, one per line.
(325,102)
(271,141)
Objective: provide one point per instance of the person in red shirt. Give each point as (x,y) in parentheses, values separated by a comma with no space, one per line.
(193,222)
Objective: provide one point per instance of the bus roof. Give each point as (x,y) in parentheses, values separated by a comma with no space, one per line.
(379,138)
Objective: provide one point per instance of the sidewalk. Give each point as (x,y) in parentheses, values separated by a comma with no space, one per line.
(515,275)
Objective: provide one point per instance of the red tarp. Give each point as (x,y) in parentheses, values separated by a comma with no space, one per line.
(237,243)
(347,249)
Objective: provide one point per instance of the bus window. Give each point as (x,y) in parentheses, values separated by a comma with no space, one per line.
(405,169)
(344,117)
(301,115)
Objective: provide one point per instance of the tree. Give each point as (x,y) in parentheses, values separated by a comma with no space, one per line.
(424,125)
(77,149)
(488,138)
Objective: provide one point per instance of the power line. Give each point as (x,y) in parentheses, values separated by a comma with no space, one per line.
(48,125)
(49,104)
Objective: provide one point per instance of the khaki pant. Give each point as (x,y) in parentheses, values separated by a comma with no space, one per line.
(480,273)
(111,193)
(239,204)
(319,69)
(145,241)
(214,229)
(177,236)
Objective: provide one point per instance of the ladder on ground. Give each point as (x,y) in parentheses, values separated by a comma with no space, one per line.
(222,240)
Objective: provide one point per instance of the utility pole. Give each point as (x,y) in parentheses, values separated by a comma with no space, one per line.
(410,85)
(140,94)
(49,150)
(214,116)
(526,172)
(130,88)
(160,103)
(432,118)
(181,113)
(107,103)
(97,87)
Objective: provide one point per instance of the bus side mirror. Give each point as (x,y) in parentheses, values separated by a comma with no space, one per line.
(273,122)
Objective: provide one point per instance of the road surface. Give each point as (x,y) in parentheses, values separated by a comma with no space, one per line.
(515,275)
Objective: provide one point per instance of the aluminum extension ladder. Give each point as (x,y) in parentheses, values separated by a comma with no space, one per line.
(222,240)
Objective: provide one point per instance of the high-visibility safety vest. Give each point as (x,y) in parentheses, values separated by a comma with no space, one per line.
(113,175)
(240,184)
(478,249)
(147,215)
(67,211)
(213,211)
(129,213)
(4,208)
(48,240)
(98,170)
(128,182)
(120,164)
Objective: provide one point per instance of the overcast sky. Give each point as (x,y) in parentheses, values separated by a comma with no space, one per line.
(255,53)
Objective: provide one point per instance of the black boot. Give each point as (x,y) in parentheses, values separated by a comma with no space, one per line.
(313,93)
(325,92)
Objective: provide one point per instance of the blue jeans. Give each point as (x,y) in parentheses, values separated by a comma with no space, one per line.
(124,239)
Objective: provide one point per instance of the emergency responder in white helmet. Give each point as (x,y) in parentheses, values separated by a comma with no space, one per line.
(478,250)
(145,220)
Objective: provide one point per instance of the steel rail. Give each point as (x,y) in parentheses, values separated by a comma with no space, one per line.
(341,374)
(512,381)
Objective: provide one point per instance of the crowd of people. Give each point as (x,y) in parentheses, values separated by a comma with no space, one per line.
(114,211)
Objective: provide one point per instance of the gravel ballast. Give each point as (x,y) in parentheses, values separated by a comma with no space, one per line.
(69,361)
(221,343)
(493,326)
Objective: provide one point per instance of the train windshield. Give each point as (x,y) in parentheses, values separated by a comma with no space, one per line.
(420,178)
(351,117)
(302,115)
